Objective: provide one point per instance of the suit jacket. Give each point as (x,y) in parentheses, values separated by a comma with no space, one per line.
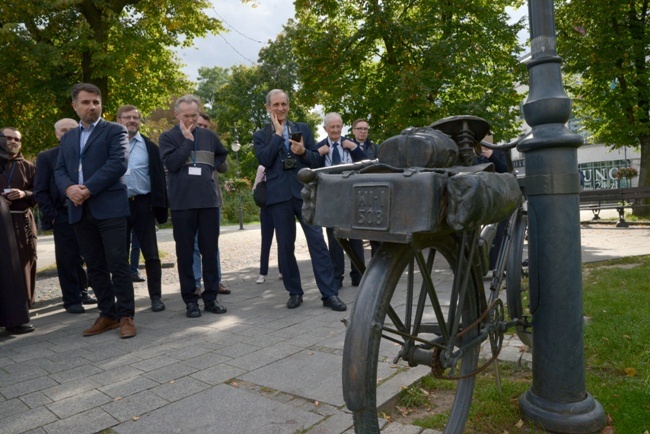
(50,200)
(357,154)
(104,161)
(371,149)
(159,199)
(283,185)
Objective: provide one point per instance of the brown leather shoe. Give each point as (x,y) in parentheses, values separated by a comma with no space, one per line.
(223,290)
(127,327)
(102,325)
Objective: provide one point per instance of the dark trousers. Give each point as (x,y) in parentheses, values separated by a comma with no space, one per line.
(134,257)
(69,263)
(187,223)
(284,218)
(102,246)
(143,222)
(338,257)
(268,228)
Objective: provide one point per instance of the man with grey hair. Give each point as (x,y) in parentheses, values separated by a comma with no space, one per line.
(284,147)
(336,150)
(191,155)
(52,204)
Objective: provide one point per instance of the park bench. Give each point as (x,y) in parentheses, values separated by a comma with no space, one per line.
(616,198)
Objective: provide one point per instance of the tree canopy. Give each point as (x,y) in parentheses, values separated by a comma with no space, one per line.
(403,63)
(606,45)
(122,46)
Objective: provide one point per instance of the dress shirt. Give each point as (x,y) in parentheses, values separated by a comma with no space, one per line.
(344,153)
(83,138)
(137,177)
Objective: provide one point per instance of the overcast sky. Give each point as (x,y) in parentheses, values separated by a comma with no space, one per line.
(250,27)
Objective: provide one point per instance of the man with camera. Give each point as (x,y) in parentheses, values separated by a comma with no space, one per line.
(283,148)
(336,150)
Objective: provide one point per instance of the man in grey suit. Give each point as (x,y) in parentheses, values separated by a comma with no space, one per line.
(89,172)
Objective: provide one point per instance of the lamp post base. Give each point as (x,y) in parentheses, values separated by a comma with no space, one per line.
(582,417)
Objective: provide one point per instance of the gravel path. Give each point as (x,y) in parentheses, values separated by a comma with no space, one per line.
(239,249)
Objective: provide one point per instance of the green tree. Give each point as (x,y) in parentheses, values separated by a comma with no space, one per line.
(122,46)
(408,63)
(237,97)
(606,43)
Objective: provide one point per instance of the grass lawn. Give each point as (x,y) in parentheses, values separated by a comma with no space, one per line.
(617,353)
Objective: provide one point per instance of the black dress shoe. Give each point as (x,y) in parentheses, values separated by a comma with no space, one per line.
(214,307)
(21,329)
(75,308)
(193,310)
(335,303)
(88,299)
(157,305)
(294,301)
(135,277)
(356,282)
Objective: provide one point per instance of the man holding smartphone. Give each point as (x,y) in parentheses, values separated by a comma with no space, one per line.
(283,156)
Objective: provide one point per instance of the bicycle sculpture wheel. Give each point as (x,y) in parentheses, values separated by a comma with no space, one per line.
(517,284)
(417,305)
(421,301)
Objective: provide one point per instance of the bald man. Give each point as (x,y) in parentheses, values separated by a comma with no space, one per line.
(72,276)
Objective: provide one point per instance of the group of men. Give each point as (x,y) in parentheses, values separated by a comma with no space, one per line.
(106,181)
(284,147)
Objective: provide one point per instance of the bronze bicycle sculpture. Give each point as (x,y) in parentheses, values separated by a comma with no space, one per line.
(421,299)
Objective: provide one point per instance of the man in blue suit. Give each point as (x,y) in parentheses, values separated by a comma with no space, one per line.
(283,153)
(89,172)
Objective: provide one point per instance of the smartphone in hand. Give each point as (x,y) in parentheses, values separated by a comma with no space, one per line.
(296,137)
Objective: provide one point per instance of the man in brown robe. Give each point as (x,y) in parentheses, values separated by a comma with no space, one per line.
(14,313)
(16,185)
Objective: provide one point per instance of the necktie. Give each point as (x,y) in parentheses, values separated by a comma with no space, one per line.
(336,157)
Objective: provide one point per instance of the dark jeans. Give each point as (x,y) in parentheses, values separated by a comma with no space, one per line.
(102,246)
(284,218)
(186,224)
(143,222)
(69,263)
(338,257)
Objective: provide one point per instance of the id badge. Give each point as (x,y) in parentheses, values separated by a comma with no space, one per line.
(7,190)
(195,171)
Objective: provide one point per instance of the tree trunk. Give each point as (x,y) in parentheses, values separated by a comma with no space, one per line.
(644,177)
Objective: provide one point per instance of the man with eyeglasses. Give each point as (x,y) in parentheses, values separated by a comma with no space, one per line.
(336,150)
(16,185)
(52,204)
(360,130)
(191,155)
(147,192)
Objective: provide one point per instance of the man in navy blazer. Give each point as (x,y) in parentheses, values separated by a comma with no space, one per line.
(89,172)
(279,149)
(53,205)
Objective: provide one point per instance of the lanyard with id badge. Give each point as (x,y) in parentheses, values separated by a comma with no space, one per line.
(194,170)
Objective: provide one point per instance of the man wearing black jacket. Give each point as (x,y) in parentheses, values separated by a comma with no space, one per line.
(191,155)
(147,192)
(52,204)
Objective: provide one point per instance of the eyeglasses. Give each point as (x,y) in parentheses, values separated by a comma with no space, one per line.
(130,118)
(362,129)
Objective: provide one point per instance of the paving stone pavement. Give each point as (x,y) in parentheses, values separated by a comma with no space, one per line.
(259,368)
